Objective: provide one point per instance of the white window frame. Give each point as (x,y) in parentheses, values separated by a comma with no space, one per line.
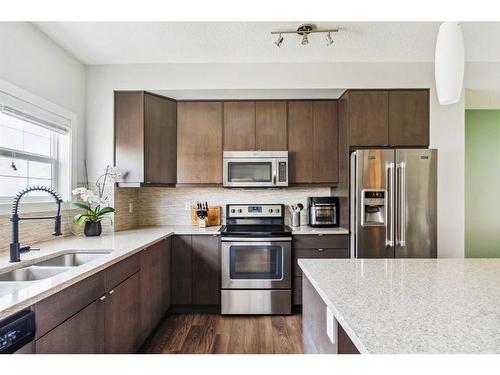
(66,176)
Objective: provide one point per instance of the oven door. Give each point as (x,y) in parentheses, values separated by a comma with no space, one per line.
(256,264)
(251,172)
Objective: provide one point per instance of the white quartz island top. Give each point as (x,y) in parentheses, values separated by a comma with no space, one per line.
(412,305)
(120,245)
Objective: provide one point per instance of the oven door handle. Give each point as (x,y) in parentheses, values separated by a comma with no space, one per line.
(256,239)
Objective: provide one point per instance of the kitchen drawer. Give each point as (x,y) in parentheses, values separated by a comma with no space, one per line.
(122,271)
(59,307)
(317,253)
(297,290)
(332,241)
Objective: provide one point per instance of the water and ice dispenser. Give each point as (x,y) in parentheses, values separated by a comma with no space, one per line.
(374,206)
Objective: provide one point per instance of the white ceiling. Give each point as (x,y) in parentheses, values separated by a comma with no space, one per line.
(205,42)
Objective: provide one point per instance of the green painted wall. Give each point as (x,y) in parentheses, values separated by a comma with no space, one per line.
(482,183)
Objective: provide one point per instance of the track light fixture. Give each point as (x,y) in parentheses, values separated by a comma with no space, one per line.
(304,31)
(279,41)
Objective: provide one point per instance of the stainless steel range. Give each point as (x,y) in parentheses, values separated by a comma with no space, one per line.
(256,260)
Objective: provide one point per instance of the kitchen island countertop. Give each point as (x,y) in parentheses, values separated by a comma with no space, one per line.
(412,305)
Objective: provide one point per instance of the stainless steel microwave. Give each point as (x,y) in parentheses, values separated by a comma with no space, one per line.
(255,168)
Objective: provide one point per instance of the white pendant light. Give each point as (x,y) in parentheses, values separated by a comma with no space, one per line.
(449,63)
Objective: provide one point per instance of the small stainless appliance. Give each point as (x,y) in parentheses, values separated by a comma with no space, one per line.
(393,203)
(256,260)
(323,211)
(255,169)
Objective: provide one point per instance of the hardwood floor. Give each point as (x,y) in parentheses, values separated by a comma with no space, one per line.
(217,334)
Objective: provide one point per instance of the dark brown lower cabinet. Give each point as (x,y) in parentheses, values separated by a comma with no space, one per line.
(314,247)
(80,334)
(206,271)
(151,287)
(122,314)
(195,270)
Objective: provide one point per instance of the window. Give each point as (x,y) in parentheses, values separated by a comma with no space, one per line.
(34,150)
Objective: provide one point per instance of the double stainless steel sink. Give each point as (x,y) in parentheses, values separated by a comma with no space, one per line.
(49,267)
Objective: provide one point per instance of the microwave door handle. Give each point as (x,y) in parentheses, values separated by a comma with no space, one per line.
(275,167)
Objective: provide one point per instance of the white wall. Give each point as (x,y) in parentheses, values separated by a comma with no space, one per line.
(447,123)
(33,62)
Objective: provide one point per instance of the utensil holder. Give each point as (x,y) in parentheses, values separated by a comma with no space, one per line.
(295,219)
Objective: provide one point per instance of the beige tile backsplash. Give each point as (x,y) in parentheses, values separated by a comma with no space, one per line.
(167,206)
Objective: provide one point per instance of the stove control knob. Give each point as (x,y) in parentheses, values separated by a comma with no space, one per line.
(271,210)
(240,211)
(232,210)
(277,210)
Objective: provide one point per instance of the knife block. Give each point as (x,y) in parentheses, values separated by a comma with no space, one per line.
(214,216)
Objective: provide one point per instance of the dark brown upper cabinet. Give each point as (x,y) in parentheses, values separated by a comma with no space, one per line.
(325,143)
(199,143)
(409,117)
(394,118)
(250,126)
(300,141)
(313,142)
(271,126)
(145,138)
(368,118)
(239,126)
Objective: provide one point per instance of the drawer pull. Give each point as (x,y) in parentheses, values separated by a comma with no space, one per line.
(320,235)
(102,298)
(321,249)
(111,291)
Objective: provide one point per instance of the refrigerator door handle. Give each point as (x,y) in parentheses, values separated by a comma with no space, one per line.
(401,185)
(389,228)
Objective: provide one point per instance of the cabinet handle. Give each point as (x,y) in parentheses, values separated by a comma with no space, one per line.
(102,298)
(321,249)
(111,291)
(320,235)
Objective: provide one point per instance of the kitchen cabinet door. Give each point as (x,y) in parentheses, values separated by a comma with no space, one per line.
(409,118)
(300,141)
(129,135)
(151,287)
(83,333)
(206,270)
(199,143)
(182,275)
(239,126)
(271,126)
(368,117)
(325,146)
(160,140)
(122,315)
(166,274)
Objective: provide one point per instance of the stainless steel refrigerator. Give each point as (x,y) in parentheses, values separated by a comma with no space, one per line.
(393,203)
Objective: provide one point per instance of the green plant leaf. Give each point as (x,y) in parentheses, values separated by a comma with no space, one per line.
(80,218)
(105,210)
(82,206)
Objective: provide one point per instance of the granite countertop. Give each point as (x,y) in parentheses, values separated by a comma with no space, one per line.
(17,296)
(305,229)
(412,305)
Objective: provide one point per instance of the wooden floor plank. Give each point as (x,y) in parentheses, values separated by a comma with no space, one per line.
(217,334)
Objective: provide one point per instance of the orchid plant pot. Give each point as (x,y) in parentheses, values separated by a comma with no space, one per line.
(92,228)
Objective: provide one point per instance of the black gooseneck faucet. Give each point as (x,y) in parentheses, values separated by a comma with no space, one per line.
(15,247)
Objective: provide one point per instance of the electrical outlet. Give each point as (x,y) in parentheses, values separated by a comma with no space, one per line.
(130,207)
(331,325)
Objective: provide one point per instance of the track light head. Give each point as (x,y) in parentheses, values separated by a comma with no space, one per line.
(329,40)
(279,41)
(305,40)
